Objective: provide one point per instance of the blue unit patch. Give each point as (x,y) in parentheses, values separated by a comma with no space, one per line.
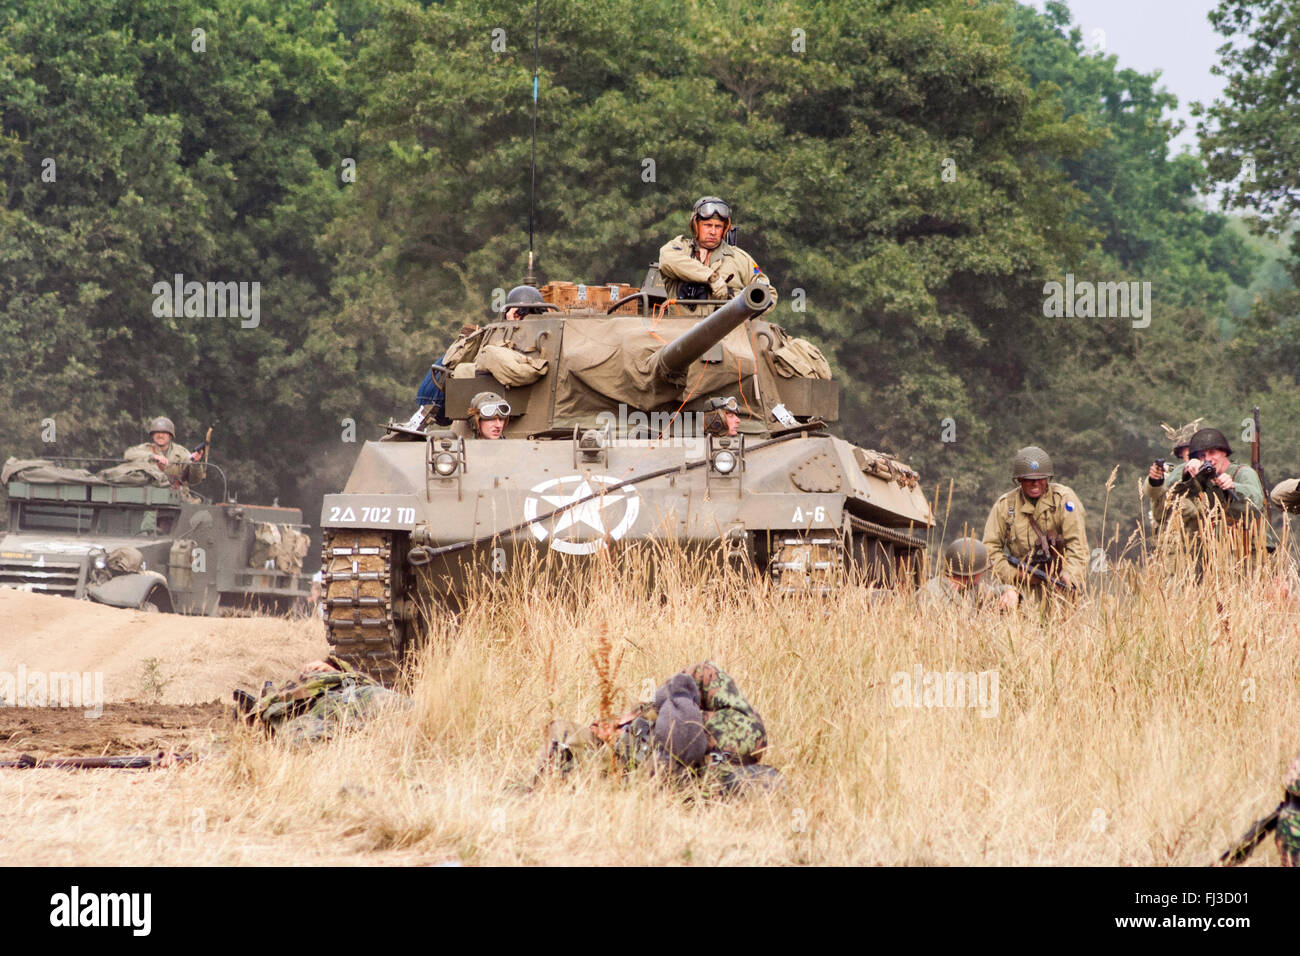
(1069,506)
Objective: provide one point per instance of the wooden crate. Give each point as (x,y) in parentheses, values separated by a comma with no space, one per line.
(571,295)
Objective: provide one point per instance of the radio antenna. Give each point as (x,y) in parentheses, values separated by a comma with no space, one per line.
(532,192)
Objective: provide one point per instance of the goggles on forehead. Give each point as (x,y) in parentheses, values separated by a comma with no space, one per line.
(494,410)
(728,403)
(711,207)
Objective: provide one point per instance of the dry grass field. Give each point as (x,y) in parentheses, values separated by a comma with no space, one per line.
(1146,726)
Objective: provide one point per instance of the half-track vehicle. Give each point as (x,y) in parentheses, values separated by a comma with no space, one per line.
(121,537)
(606,447)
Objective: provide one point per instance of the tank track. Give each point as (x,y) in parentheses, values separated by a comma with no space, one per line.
(357,571)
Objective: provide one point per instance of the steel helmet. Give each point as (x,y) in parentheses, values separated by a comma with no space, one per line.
(1208,438)
(1031,462)
(523,295)
(162,424)
(965,557)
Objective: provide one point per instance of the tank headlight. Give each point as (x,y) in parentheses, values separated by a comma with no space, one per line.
(444,463)
(724,462)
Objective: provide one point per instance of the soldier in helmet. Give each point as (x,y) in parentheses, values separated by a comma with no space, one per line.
(489,414)
(1152,486)
(176,462)
(430,397)
(1211,488)
(1040,524)
(962,582)
(704,265)
(723,417)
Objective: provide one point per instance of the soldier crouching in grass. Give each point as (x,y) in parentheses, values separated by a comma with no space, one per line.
(699,726)
(962,583)
(1035,535)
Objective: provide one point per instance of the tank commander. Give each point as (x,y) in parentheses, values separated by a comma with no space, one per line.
(1040,525)
(704,265)
(430,391)
(179,464)
(489,414)
(962,582)
(723,417)
(1151,488)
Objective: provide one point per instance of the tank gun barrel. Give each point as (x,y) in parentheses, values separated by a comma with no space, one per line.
(685,349)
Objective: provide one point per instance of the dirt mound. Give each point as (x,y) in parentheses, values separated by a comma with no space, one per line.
(82,678)
(121,729)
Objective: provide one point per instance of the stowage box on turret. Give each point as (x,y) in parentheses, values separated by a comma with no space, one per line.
(606,445)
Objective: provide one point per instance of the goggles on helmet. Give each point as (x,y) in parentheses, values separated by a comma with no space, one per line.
(729,403)
(711,207)
(494,410)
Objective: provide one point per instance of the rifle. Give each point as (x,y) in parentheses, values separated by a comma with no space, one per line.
(1239,851)
(136,762)
(1040,574)
(1254,461)
(204,445)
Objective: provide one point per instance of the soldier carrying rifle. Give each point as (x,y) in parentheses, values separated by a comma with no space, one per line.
(1035,535)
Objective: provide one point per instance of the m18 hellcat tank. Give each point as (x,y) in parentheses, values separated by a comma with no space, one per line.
(606,447)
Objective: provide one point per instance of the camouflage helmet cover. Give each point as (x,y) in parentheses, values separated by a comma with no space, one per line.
(162,424)
(965,557)
(1031,462)
(1208,438)
(1181,437)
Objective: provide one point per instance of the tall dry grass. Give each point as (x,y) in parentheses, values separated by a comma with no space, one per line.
(1146,725)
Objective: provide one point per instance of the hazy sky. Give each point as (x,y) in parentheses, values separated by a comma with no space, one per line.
(1172,36)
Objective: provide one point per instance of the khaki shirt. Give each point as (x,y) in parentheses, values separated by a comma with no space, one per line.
(1008,531)
(179,467)
(943,593)
(728,270)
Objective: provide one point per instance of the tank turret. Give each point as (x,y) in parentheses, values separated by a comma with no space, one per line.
(606,389)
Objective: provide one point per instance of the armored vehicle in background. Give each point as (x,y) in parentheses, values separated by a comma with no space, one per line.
(606,447)
(124,537)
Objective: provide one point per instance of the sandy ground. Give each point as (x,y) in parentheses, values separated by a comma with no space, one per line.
(148,658)
(166,686)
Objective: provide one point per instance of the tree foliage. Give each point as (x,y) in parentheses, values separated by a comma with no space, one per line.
(915,170)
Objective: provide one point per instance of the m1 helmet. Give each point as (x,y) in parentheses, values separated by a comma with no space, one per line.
(1031,462)
(1208,438)
(965,557)
(524,295)
(162,424)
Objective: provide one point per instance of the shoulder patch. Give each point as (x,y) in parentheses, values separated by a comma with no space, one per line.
(678,248)
(1069,505)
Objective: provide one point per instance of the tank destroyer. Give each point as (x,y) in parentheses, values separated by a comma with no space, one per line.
(606,447)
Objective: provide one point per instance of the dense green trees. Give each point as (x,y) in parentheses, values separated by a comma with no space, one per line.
(917,171)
